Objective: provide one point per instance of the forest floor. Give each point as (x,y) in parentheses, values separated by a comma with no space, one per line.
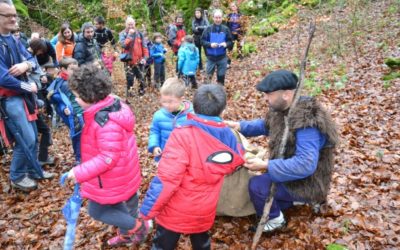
(345,70)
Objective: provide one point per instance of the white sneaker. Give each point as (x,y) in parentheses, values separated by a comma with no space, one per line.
(275,223)
(26,184)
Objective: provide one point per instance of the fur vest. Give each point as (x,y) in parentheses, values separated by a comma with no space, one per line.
(308,113)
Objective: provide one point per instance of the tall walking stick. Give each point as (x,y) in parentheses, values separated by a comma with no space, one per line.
(269,200)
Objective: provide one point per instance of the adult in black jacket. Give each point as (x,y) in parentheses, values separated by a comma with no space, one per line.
(102,34)
(216,39)
(199,24)
(42,49)
(86,49)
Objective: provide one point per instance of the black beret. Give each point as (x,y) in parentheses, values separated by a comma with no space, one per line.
(278,80)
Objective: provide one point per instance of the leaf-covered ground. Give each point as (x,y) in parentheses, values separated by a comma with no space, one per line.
(345,68)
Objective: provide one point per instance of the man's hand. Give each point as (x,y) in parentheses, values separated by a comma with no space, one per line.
(131,32)
(143,61)
(19,68)
(223,44)
(256,164)
(157,151)
(233,125)
(34,87)
(214,45)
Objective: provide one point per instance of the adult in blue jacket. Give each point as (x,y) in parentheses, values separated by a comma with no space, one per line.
(304,173)
(216,39)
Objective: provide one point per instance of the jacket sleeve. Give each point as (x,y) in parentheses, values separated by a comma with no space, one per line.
(253,128)
(197,57)
(110,37)
(154,53)
(171,170)
(79,53)
(181,59)
(205,38)
(155,134)
(109,141)
(309,141)
(145,49)
(52,52)
(59,49)
(172,34)
(9,81)
(229,39)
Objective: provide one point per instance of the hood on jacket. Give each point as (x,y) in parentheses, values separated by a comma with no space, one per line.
(123,116)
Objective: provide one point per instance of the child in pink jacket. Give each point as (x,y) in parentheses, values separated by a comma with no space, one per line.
(109,173)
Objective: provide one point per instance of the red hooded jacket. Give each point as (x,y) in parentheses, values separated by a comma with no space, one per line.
(183,196)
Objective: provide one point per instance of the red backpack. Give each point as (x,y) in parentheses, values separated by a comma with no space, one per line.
(180,34)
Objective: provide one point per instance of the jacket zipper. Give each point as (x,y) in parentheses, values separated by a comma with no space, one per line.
(100,183)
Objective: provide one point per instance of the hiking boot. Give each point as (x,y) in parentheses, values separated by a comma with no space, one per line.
(137,235)
(26,184)
(46,175)
(50,161)
(275,223)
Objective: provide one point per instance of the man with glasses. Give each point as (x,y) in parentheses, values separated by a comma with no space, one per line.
(18,107)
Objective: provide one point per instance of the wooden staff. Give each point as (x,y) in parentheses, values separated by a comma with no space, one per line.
(269,200)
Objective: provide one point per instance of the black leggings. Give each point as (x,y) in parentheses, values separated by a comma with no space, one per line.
(165,239)
(123,214)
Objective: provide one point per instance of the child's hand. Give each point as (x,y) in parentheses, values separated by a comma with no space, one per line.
(71,175)
(51,92)
(67,111)
(157,151)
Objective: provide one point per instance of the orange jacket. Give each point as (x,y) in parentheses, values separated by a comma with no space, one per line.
(139,49)
(64,49)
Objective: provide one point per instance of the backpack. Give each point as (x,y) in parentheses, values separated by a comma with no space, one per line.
(180,34)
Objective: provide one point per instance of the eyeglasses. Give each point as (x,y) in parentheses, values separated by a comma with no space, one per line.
(9,15)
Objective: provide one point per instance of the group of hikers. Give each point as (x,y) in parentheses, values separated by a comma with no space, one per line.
(194,148)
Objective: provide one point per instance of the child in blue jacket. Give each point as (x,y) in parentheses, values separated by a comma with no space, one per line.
(173,112)
(65,105)
(188,61)
(157,53)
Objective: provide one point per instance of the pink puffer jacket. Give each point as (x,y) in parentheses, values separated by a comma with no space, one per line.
(109,172)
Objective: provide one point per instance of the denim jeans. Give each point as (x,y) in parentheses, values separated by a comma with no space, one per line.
(221,66)
(19,126)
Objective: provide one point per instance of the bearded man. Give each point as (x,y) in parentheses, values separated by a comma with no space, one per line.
(304,173)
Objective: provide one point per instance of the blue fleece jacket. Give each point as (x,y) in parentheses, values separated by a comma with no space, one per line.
(309,141)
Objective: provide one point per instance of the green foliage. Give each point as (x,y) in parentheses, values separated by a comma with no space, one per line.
(393,63)
(21,8)
(335,246)
(249,48)
(391,76)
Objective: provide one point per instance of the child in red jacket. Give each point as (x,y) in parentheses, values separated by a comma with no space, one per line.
(183,196)
(109,173)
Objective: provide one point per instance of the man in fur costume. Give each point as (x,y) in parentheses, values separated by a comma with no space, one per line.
(304,174)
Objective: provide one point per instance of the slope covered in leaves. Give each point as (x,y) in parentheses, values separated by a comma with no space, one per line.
(345,68)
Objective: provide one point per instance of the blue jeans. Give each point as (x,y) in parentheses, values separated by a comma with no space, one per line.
(259,189)
(19,126)
(221,66)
